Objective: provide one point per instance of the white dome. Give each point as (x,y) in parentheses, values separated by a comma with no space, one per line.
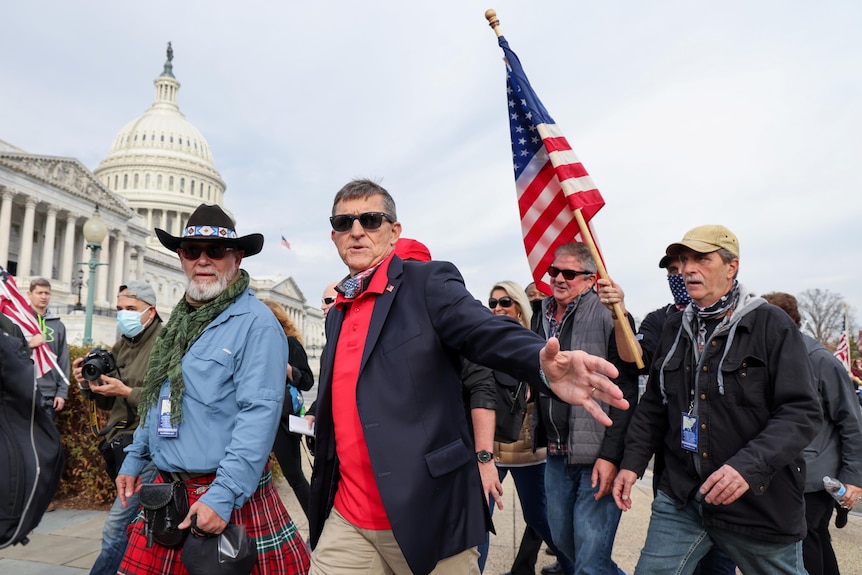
(160,163)
(163,131)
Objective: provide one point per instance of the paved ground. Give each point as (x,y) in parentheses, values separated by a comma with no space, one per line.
(67,541)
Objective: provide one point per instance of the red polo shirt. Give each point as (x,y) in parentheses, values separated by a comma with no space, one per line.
(357,498)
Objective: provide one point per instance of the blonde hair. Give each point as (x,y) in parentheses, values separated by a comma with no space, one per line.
(519,296)
(290,329)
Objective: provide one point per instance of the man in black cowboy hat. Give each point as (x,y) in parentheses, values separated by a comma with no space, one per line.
(211,401)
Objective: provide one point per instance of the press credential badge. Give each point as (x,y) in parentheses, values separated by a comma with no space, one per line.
(165,427)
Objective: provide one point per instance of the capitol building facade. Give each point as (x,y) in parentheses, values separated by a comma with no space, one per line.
(158,170)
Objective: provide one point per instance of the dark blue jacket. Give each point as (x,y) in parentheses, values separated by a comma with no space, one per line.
(409,399)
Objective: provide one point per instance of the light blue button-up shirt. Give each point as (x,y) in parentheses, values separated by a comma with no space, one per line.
(234,376)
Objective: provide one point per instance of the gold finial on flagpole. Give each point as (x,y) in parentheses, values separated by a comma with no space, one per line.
(493,21)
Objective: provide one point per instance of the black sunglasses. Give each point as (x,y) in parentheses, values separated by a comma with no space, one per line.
(504,301)
(368,221)
(328,300)
(554,271)
(212,252)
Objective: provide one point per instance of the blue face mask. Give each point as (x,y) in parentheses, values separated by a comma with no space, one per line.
(129,322)
(677,288)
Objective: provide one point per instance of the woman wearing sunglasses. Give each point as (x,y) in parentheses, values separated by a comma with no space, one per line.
(527,466)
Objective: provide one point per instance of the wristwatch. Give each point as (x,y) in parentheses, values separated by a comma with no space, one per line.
(484,456)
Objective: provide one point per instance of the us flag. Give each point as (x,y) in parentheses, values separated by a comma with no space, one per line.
(842,352)
(284,242)
(14,306)
(550,180)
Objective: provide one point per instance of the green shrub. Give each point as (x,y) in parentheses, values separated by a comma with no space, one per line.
(84,474)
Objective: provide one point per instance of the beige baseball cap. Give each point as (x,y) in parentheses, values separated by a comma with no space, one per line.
(706,239)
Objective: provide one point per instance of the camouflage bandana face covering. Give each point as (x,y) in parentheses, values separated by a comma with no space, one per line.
(183,328)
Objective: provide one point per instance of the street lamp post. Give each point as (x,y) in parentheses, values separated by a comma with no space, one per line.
(77,284)
(94,232)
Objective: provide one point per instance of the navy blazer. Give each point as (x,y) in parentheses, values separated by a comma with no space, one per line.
(411,409)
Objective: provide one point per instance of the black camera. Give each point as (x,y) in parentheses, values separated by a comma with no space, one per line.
(97,363)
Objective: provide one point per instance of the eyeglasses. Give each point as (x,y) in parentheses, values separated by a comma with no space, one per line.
(554,271)
(329,300)
(212,252)
(368,221)
(504,301)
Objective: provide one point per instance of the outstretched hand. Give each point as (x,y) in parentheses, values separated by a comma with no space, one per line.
(579,378)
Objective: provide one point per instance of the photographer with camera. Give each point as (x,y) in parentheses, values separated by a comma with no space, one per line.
(113,380)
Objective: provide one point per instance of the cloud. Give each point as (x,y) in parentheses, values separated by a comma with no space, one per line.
(684,114)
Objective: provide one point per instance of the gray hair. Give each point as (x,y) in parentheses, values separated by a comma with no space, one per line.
(363,189)
(581,252)
(728,256)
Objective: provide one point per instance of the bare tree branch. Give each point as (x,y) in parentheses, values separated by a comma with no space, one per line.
(824,312)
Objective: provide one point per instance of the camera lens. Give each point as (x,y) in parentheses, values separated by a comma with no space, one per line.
(91,371)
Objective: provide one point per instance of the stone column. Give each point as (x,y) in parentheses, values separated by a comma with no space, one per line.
(5,225)
(102,273)
(132,264)
(25,256)
(128,266)
(118,261)
(48,246)
(68,249)
(150,219)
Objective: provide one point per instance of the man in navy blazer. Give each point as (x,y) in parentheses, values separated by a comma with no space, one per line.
(396,488)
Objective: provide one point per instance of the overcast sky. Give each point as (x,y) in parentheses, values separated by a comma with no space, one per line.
(747,114)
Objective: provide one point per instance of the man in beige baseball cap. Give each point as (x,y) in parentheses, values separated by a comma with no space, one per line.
(706,239)
(730,404)
(713,252)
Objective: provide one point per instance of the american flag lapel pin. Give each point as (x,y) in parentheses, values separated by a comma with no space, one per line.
(390,287)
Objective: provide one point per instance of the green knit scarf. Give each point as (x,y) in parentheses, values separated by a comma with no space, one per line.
(184,326)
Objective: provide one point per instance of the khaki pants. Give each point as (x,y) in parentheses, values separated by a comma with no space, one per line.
(344,549)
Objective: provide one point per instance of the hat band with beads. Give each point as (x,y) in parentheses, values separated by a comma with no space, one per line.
(213,232)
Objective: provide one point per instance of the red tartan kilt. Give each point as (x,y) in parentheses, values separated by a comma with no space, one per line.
(280,548)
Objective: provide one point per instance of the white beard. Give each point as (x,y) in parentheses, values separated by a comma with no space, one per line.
(207,291)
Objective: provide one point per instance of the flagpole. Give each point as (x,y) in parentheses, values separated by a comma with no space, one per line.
(587,236)
(493,21)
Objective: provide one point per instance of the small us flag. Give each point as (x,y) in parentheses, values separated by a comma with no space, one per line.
(284,242)
(842,352)
(14,306)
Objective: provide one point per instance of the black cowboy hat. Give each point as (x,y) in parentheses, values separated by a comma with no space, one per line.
(212,224)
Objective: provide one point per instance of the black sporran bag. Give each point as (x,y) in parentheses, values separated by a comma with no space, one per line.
(165,506)
(510,408)
(113,452)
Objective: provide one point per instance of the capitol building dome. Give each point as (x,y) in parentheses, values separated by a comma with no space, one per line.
(160,163)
